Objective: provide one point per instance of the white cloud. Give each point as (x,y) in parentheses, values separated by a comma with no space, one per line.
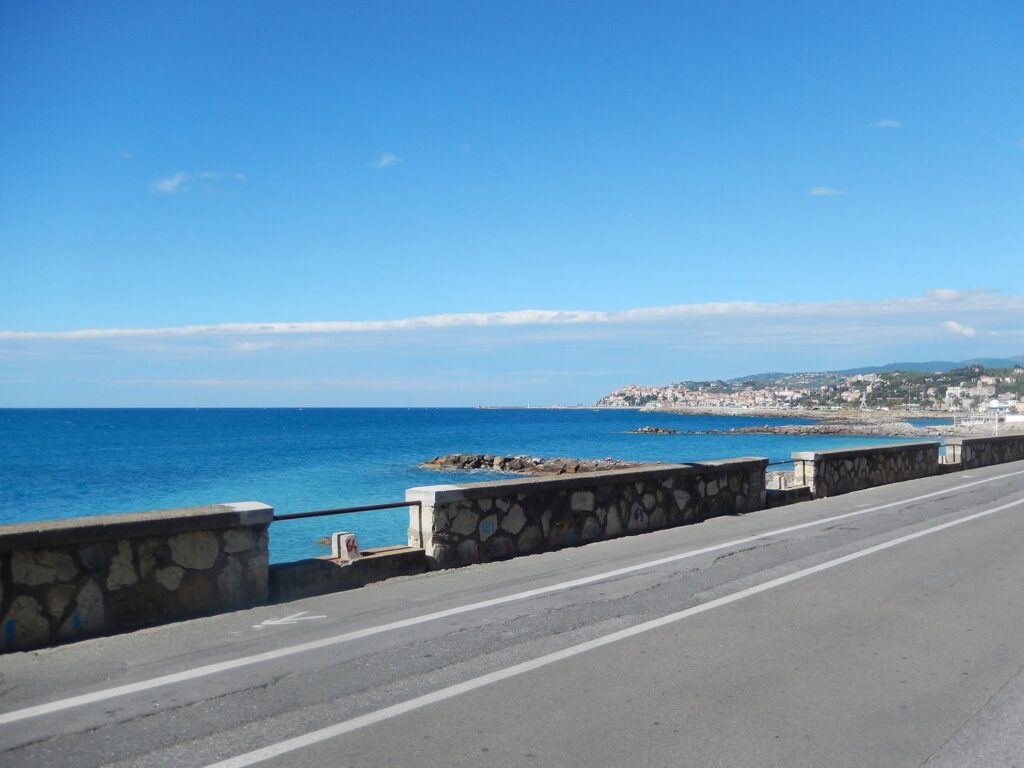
(944,294)
(886,122)
(826,192)
(907,310)
(960,330)
(181,181)
(125,154)
(171,184)
(386,160)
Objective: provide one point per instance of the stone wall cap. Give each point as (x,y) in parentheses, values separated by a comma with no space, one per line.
(978,440)
(581,480)
(161,522)
(858,450)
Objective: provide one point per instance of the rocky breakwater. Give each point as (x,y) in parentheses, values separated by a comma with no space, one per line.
(522,465)
(654,431)
(843,427)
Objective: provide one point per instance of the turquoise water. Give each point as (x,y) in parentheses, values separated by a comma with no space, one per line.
(70,463)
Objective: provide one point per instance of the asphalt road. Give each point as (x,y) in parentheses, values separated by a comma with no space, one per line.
(881,628)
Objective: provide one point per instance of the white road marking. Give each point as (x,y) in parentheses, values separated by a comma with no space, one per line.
(295,617)
(371,718)
(313,645)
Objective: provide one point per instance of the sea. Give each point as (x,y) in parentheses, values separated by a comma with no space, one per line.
(63,463)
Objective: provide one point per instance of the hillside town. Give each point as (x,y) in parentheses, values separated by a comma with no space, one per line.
(995,392)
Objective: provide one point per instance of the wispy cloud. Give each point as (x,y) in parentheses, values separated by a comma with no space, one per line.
(826,192)
(386,160)
(168,185)
(940,301)
(183,180)
(125,154)
(958,329)
(887,122)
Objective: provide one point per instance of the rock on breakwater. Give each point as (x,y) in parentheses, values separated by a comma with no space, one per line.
(654,431)
(524,465)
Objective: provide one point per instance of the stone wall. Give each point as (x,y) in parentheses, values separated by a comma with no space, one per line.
(974,452)
(830,473)
(69,579)
(478,522)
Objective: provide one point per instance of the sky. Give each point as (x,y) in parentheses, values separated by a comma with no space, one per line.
(446,203)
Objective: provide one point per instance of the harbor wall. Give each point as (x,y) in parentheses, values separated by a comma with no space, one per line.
(479,522)
(842,470)
(974,452)
(69,579)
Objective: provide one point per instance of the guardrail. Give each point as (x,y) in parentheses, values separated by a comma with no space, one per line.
(350,510)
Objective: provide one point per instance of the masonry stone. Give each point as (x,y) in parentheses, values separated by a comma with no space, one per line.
(583,501)
(514,521)
(30,626)
(58,596)
(33,568)
(89,610)
(197,550)
(488,527)
(169,577)
(122,570)
(238,540)
(465,522)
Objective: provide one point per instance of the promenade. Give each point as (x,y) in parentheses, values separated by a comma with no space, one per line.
(877,628)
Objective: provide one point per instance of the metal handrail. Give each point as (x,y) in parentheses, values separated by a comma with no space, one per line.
(365,508)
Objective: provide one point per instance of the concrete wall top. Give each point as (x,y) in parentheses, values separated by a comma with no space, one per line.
(165,522)
(841,453)
(979,440)
(442,494)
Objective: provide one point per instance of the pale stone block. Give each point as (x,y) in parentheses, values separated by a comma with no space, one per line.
(712,486)
(122,568)
(649,501)
(90,614)
(57,598)
(197,551)
(682,498)
(488,526)
(465,522)
(514,520)
(238,540)
(170,577)
(41,567)
(30,625)
(582,501)
(485,505)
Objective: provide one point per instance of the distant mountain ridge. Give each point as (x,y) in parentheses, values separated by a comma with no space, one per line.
(938,366)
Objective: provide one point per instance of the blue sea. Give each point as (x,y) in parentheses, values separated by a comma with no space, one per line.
(57,463)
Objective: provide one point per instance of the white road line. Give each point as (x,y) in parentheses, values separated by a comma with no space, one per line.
(371,718)
(313,645)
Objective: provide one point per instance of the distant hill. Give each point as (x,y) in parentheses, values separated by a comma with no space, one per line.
(938,366)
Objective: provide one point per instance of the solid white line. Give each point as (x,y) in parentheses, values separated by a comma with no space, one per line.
(371,718)
(291,650)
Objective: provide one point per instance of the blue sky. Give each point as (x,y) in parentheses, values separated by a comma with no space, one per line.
(270,203)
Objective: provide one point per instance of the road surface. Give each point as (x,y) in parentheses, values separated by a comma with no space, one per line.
(879,628)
